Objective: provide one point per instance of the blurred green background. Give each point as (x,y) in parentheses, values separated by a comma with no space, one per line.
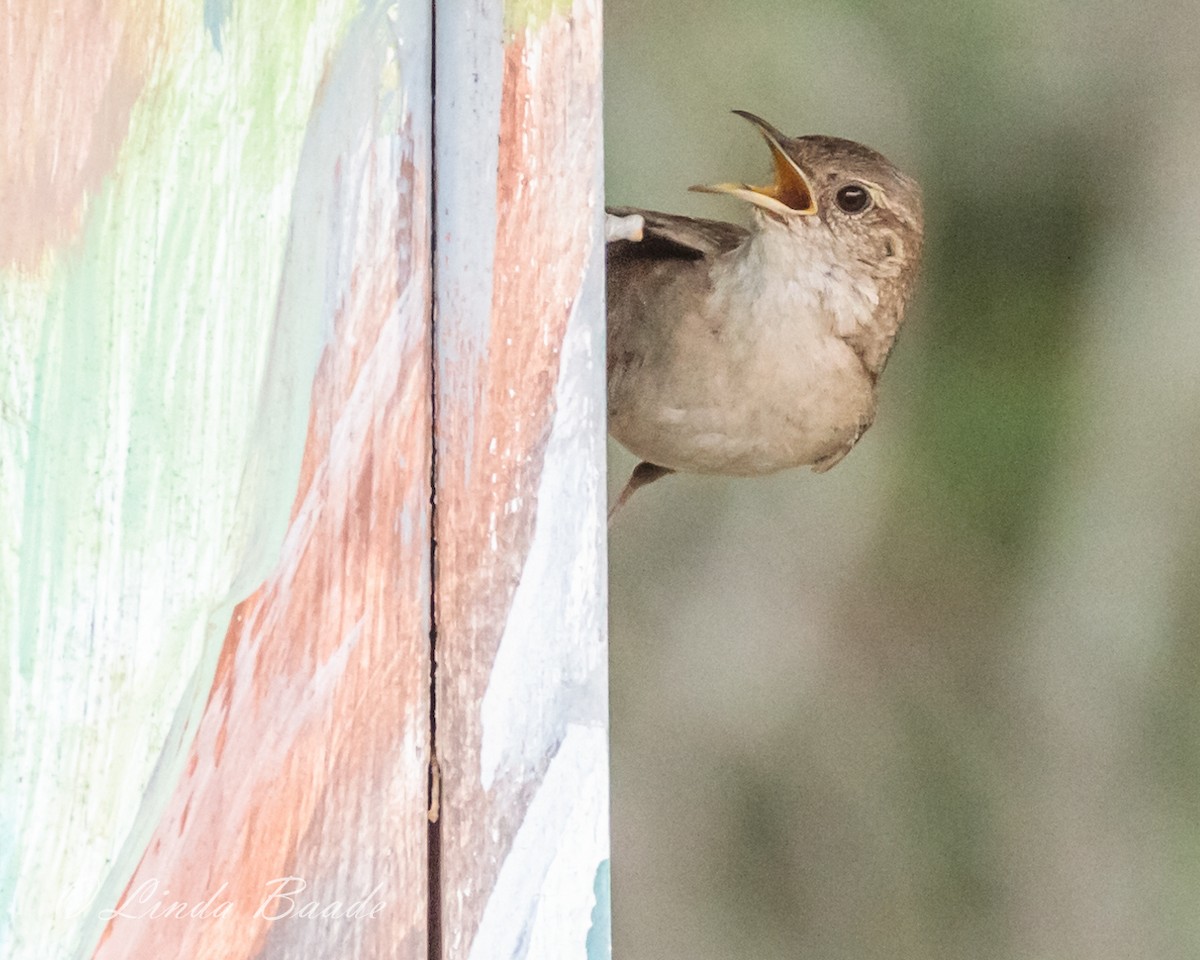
(942,701)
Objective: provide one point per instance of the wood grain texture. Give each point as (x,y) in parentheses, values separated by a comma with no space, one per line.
(215,380)
(310,762)
(519,573)
(216,428)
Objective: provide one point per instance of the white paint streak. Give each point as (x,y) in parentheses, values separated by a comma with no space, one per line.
(470,61)
(552,660)
(537,896)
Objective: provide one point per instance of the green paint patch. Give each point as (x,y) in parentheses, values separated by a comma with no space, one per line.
(521,15)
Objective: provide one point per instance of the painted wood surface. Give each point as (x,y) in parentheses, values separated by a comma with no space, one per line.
(215,281)
(219,373)
(519,562)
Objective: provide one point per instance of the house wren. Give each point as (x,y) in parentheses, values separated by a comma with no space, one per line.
(743,352)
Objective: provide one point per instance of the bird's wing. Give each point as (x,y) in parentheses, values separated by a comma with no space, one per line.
(667,236)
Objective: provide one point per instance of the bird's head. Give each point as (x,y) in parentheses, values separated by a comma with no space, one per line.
(868,209)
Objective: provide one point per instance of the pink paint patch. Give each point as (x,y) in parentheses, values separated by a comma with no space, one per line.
(70,75)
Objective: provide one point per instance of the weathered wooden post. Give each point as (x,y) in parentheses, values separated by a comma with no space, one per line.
(301,439)
(521,693)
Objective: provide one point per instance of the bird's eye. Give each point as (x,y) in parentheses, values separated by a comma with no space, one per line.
(853,198)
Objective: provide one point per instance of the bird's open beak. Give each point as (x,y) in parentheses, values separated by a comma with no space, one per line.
(789,195)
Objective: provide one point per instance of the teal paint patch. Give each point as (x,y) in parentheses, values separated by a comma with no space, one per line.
(216,15)
(599,937)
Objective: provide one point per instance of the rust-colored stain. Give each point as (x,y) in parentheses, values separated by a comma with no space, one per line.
(70,73)
(310,758)
(549,142)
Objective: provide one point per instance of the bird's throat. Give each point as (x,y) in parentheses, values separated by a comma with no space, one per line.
(795,279)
